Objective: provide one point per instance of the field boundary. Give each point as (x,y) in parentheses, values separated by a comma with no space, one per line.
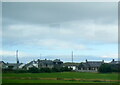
(66,79)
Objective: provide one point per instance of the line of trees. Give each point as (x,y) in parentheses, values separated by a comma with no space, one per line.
(107,68)
(36,70)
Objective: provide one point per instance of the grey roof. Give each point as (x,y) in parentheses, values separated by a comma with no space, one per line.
(31,63)
(13,64)
(57,60)
(91,64)
(2,62)
(115,62)
(95,64)
(50,62)
(84,65)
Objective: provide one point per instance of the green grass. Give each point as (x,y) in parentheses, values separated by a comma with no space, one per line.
(44,81)
(69,75)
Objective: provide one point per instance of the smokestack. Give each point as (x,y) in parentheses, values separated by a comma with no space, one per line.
(17,56)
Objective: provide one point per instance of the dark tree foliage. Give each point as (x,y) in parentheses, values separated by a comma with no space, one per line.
(56,70)
(115,67)
(45,70)
(33,70)
(21,71)
(105,68)
(65,69)
(38,70)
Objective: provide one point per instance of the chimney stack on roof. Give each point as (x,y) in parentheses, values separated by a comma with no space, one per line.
(113,60)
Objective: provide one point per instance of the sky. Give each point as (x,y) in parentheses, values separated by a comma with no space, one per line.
(50,30)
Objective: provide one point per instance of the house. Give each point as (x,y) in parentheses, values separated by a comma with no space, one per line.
(57,63)
(115,65)
(114,62)
(90,66)
(30,65)
(49,63)
(74,66)
(14,66)
(44,64)
(2,65)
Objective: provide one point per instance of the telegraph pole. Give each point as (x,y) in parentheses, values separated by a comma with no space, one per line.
(40,56)
(72,56)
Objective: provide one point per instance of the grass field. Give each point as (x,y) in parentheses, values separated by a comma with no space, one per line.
(63,77)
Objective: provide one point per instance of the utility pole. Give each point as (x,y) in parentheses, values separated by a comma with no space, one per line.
(40,56)
(72,56)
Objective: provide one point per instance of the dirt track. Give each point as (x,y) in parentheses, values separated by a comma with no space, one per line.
(69,79)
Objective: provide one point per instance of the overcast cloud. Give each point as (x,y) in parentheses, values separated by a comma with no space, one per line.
(60,27)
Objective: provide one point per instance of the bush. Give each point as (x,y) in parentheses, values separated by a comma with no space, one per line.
(47,70)
(33,70)
(55,70)
(65,69)
(21,71)
(105,68)
(115,68)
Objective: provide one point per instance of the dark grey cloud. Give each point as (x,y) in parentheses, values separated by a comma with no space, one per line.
(57,12)
(62,25)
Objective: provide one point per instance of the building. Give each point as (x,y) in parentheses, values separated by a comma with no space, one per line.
(115,65)
(2,65)
(30,65)
(14,66)
(114,62)
(57,63)
(90,66)
(45,63)
(74,66)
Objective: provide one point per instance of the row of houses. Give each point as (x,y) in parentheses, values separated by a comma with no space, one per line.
(38,64)
(87,66)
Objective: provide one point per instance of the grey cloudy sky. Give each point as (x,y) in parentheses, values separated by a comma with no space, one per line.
(53,28)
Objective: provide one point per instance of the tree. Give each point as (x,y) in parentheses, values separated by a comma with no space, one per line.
(65,69)
(43,70)
(105,68)
(34,70)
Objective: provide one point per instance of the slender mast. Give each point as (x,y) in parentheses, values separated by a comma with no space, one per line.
(40,57)
(72,56)
(17,56)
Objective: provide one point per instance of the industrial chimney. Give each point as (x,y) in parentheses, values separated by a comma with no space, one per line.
(17,56)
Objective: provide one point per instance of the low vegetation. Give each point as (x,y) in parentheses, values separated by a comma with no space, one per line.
(107,68)
(59,77)
(36,70)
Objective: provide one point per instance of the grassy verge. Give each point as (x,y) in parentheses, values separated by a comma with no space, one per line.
(63,77)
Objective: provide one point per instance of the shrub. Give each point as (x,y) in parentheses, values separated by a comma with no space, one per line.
(105,68)
(33,70)
(65,69)
(55,70)
(42,70)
